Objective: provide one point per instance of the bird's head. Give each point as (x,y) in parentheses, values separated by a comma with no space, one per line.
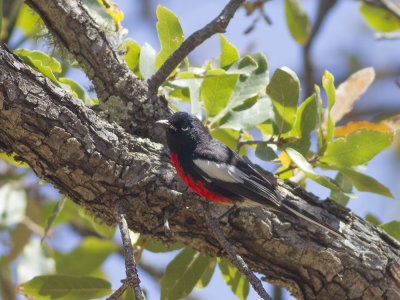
(184,131)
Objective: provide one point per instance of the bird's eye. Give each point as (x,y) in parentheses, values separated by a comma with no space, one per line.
(185,128)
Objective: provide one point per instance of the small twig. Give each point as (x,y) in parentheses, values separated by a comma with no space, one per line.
(308,68)
(239,141)
(235,257)
(387,35)
(219,24)
(132,278)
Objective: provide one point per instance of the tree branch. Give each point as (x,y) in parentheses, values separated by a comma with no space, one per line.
(235,258)
(123,96)
(132,278)
(218,25)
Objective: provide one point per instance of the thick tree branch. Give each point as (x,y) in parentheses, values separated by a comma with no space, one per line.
(218,25)
(97,164)
(123,96)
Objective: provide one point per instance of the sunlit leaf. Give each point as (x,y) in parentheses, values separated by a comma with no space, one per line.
(11,159)
(248,118)
(182,274)
(307,168)
(65,287)
(284,91)
(236,281)
(306,118)
(170,34)
(113,10)
(97,224)
(78,91)
(350,90)
(229,53)
(327,83)
(40,61)
(357,148)
(392,228)
(132,54)
(28,21)
(379,18)
(372,219)
(216,92)
(297,21)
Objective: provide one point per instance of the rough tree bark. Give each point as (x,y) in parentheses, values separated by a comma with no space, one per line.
(97,163)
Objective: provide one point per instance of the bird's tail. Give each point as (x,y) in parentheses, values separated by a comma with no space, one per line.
(294,210)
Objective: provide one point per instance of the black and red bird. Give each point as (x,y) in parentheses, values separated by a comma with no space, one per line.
(217,173)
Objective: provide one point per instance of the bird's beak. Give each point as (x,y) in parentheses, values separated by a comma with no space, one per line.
(164,123)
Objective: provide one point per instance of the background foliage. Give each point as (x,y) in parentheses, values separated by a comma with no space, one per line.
(262,112)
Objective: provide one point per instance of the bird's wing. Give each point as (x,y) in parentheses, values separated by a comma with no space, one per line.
(234,174)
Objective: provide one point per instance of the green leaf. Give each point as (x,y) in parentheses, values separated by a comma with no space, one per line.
(297,21)
(372,219)
(236,281)
(229,137)
(146,61)
(379,18)
(208,273)
(40,61)
(182,274)
(265,152)
(356,148)
(132,53)
(65,287)
(307,168)
(28,21)
(306,118)
(92,251)
(346,186)
(195,104)
(55,213)
(216,92)
(248,118)
(327,83)
(392,228)
(284,91)
(77,91)
(229,53)
(364,183)
(34,261)
(99,14)
(12,159)
(170,34)
(321,138)
(250,86)
(243,66)
(157,246)
(12,205)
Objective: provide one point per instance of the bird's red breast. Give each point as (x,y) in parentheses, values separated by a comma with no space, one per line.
(199,186)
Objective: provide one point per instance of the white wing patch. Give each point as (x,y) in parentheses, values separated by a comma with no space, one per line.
(220,171)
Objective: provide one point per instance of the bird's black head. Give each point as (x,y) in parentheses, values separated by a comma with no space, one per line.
(184,132)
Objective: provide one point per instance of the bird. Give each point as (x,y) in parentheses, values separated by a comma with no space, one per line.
(214,171)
